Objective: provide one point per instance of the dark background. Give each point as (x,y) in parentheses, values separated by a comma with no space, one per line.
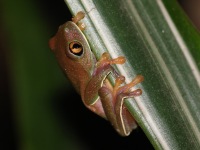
(92,131)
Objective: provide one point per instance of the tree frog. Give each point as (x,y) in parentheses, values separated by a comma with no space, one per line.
(88,75)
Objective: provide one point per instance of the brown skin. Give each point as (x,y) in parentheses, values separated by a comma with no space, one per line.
(87,76)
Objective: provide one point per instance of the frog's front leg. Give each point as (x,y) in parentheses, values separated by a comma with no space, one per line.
(103,68)
(112,102)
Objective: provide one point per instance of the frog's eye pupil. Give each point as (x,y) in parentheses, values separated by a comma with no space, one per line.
(76,48)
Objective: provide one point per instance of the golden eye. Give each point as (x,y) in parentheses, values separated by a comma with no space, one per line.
(76,48)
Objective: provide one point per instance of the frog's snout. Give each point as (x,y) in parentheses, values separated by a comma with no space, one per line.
(52,44)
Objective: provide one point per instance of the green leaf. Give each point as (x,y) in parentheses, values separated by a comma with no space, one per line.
(161,44)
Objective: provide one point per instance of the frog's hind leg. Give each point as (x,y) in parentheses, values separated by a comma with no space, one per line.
(124,119)
(113,100)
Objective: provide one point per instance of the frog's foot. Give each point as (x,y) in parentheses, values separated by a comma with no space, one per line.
(124,119)
(81,26)
(126,89)
(106,60)
(79,16)
(112,102)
